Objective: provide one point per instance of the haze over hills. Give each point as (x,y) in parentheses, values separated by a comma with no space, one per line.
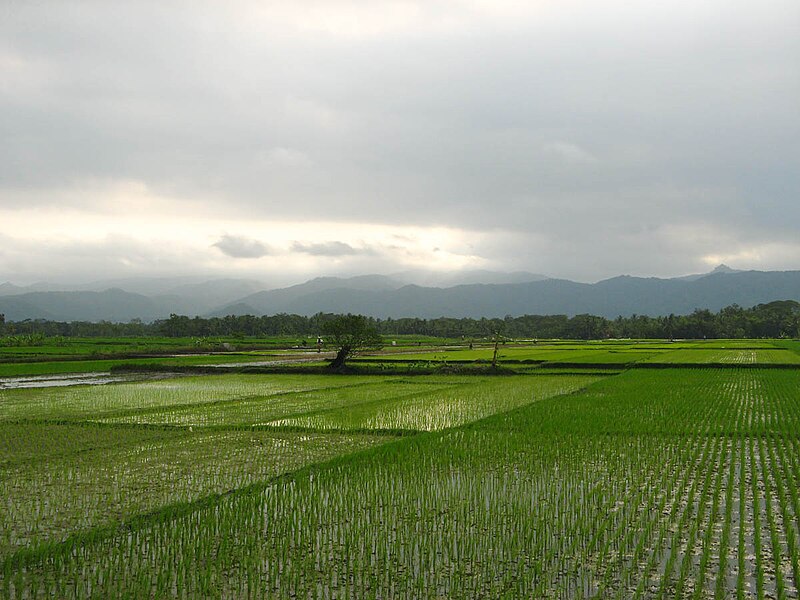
(390,296)
(722,268)
(144,298)
(427,278)
(622,295)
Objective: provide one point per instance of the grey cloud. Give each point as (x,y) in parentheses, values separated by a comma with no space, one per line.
(574,125)
(79,261)
(241,247)
(330,249)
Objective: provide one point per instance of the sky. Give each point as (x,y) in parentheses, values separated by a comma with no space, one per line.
(285,140)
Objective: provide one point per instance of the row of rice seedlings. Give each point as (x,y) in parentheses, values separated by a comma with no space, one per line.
(449,527)
(82,402)
(777,550)
(735,482)
(744,356)
(755,499)
(681,548)
(443,408)
(787,484)
(515,530)
(651,574)
(500,508)
(681,545)
(635,565)
(722,574)
(618,519)
(23,443)
(742,546)
(711,524)
(44,502)
(261,410)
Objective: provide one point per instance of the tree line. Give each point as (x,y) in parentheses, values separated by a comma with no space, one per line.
(772,320)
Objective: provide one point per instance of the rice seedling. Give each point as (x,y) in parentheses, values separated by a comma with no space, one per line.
(80,403)
(47,500)
(441,408)
(649,484)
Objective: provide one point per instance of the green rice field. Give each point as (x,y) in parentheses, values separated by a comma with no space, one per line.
(564,479)
(623,353)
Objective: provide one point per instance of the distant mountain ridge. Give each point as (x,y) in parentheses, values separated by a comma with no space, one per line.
(721,268)
(623,295)
(390,297)
(121,299)
(111,305)
(424,278)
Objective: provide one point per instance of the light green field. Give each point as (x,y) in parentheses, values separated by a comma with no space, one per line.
(82,402)
(443,408)
(622,353)
(729,356)
(262,409)
(17,369)
(588,355)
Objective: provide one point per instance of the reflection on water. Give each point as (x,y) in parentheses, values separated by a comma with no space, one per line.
(270,363)
(66,379)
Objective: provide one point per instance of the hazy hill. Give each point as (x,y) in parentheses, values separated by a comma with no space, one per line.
(723,268)
(157,296)
(202,297)
(426,278)
(382,296)
(284,299)
(9,289)
(622,295)
(110,305)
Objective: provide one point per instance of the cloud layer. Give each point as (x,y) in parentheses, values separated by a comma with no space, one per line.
(572,138)
(241,247)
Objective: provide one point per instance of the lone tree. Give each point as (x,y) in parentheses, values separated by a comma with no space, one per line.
(350,334)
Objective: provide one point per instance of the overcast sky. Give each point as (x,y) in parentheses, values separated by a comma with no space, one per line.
(283,140)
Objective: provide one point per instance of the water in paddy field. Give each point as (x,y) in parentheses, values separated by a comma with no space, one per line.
(268,363)
(69,379)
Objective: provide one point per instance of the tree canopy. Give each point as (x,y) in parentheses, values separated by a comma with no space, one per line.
(350,334)
(772,320)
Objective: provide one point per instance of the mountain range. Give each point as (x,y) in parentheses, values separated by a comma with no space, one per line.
(467,294)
